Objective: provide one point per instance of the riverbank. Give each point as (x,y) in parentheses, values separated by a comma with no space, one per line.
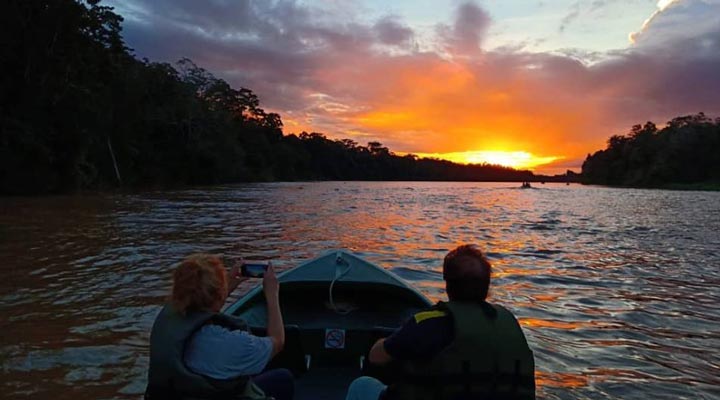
(705,186)
(535,180)
(698,186)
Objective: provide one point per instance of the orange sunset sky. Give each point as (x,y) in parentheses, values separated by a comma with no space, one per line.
(533,84)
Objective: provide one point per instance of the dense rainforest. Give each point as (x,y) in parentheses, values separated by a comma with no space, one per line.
(79,111)
(685,152)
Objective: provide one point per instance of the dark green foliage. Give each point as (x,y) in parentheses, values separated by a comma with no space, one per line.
(71,90)
(54,57)
(687,150)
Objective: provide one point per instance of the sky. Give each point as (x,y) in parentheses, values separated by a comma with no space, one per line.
(533,84)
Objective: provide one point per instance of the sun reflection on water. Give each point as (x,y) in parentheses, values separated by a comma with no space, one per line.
(609,307)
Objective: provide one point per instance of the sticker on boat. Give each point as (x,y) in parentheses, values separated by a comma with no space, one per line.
(334,338)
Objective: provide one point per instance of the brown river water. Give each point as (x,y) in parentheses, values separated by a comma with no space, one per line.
(618,290)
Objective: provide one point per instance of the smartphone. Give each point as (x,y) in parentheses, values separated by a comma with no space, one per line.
(253,269)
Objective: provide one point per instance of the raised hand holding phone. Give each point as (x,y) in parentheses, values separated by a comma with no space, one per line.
(271,287)
(275,327)
(235,276)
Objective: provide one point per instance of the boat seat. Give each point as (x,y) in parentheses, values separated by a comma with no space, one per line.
(385,373)
(379,332)
(292,356)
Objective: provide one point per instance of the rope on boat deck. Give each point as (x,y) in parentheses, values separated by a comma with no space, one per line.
(339,260)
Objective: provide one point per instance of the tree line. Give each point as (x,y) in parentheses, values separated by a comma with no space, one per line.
(685,151)
(79,111)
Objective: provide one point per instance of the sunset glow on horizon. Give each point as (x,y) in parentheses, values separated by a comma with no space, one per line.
(530,85)
(513,159)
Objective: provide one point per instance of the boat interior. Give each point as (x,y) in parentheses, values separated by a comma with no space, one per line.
(327,337)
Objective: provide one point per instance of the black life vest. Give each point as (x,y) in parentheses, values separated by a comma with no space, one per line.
(169,378)
(489,358)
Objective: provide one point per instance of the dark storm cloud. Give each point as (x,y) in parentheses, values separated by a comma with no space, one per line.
(272,47)
(391,32)
(465,36)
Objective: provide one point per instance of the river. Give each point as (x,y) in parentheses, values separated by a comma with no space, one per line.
(616,289)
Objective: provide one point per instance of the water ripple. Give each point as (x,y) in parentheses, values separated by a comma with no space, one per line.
(615,289)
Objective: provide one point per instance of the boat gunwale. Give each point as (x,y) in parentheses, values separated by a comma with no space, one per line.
(397,281)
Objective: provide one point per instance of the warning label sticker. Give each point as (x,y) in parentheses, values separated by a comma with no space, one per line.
(334,338)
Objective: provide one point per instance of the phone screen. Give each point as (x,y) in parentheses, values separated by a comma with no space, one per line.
(254,270)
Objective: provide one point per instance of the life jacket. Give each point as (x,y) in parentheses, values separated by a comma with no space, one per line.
(169,378)
(488,358)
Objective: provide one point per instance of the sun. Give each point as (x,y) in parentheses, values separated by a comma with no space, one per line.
(512,159)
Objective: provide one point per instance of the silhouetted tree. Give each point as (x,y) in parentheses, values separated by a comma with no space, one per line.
(75,103)
(686,150)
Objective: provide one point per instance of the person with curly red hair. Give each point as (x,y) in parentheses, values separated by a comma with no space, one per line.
(195,351)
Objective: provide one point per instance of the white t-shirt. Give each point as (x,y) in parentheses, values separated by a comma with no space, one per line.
(223,354)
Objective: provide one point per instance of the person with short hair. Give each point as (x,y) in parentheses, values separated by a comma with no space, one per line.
(197,352)
(463,349)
